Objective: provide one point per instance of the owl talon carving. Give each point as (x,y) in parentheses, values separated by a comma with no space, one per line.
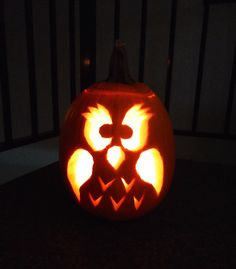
(95,202)
(116,205)
(138,202)
(127,186)
(103,185)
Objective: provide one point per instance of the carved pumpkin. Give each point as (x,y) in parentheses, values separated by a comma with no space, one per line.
(117,149)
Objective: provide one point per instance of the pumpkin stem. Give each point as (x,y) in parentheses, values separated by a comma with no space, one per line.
(118,68)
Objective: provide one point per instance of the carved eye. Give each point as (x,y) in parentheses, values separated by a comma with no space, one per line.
(137,119)
(106,130)
(97,124)
(124,131)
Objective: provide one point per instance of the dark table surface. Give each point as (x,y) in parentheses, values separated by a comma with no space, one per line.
(41,226)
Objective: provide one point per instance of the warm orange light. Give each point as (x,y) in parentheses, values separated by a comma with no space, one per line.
(116,205)
(103,185)
(87,62)
(137,119)
(115,156)
(150,168)
(137,203)
(79,169)
(95,202)
(127,186)
(95,118)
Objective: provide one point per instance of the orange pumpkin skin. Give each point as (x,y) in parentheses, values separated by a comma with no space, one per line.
(117,193)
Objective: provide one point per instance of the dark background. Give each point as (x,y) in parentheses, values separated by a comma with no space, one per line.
(185,51)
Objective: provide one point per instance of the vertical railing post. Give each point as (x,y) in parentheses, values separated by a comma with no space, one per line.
(142,40)
(31,66)
(200,67)
(87,43)
(170,53)
(72,49)
(116,20)
(54,63)
(6,105)
(230,101)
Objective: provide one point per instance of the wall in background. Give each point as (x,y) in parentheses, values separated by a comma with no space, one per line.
(221,39)
(218,62)
(18,66)
(217,68)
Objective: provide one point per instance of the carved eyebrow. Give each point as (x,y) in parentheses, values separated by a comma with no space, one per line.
(137,119)
(99,113)
(137,112)
(95,118)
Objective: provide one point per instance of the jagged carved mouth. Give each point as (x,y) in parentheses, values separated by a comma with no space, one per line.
(116,204)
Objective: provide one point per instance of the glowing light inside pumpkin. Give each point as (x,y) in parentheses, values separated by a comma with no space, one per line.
(137,119)
(150,168)
(138,202)
(95,202)
(115,156)
(95,118)
(79,169)
(127,186)
(116,205)
(103,185)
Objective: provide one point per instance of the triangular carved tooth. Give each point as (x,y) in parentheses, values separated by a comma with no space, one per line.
(103,185)
(95,202)
(126,185)
(137,203)
(116,205)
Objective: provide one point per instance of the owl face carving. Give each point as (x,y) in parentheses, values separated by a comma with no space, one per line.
(115,168)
